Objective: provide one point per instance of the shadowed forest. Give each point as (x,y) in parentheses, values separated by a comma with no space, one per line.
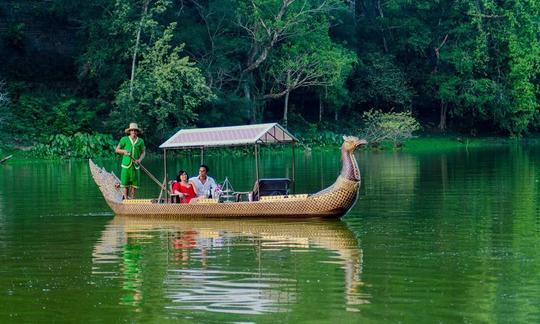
(77,72)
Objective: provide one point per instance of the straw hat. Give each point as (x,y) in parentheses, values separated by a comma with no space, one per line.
(133,126)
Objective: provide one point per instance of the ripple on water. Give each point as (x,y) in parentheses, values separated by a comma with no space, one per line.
(229,292)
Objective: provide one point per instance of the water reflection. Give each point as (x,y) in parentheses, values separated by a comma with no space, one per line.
(393,172)
(227,266)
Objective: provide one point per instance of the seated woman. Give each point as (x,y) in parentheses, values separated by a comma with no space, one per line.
(183,188)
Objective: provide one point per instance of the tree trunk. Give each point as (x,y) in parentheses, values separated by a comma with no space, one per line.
(321,108)
(352,8)
(442,118)
(285,109)
(286,104)
(381,14)
(134,60)
(249,100)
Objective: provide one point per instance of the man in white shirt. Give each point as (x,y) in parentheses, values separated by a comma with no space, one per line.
(205,184)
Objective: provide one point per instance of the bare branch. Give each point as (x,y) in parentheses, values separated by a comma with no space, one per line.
(481,15)
(437,49)
(4,97)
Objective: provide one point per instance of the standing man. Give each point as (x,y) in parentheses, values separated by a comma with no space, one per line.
(205,184)
(133,150)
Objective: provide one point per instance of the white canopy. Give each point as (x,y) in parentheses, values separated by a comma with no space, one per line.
(229,136)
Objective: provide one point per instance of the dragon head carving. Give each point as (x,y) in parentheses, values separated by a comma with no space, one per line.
(350,143)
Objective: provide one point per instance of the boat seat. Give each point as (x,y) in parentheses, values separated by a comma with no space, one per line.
(271,187)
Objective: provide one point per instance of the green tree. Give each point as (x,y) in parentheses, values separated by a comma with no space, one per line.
(310,61)
(213,39)
(496,80)
(477,61)
(165,93)
(380,82)
(118,31)
(269,25)
(524,64)
(246,49)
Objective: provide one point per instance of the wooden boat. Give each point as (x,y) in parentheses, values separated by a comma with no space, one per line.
(331,202)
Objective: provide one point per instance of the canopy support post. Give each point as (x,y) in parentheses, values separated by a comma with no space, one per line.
(202,154)
(257,163)
(293,169)
(164,177)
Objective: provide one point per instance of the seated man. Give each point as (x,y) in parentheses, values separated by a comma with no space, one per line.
(204,184)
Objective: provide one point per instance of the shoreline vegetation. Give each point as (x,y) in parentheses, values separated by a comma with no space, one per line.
(74,74)
(424,143)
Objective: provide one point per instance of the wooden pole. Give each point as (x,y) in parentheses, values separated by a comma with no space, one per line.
(150,175)
(257,163)
(202,154)
(165,173)
(293,169)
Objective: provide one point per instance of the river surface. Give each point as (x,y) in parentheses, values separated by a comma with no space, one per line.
(441,236)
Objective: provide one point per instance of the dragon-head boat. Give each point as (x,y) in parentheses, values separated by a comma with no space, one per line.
(331,202)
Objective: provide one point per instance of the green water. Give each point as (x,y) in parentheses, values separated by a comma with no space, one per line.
(434,237)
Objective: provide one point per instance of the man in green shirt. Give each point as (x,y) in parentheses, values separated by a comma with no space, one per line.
(133,150)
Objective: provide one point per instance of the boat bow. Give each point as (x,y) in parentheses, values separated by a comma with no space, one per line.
(345,189)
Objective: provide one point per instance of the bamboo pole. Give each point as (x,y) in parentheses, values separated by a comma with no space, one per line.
(162,186)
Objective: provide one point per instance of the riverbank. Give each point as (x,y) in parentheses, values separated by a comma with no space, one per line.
(421,144)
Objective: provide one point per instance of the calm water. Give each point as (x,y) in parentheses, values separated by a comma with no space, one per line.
(439,237)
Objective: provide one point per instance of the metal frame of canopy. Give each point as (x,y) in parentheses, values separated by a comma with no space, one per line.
(230,136)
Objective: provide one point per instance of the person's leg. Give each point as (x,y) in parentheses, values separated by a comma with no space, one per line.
(124,182)
(133,192)
(135,179)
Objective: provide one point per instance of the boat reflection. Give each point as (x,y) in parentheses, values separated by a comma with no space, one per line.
(232,266)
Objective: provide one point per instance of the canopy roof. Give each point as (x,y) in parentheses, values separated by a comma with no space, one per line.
(229,136)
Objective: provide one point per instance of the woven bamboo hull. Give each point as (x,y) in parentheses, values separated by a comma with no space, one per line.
(331,202)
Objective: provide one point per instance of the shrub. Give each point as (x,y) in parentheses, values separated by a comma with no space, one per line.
(80,145)
(392,126)
(62,114)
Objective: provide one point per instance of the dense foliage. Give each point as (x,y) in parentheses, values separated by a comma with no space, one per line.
(317,65)
(78,145)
